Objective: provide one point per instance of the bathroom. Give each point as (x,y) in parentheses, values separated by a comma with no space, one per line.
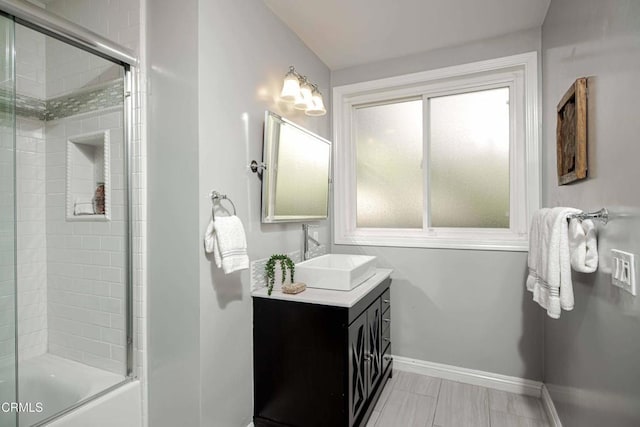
(200,76)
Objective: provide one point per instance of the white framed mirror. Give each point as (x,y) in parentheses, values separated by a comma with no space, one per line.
(296,175)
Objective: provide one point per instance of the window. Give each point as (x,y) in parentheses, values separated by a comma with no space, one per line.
(445,158)
(389,181)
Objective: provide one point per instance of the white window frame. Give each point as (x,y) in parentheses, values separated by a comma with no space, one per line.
(520,74)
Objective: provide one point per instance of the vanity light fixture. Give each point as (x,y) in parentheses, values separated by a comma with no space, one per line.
(304,95)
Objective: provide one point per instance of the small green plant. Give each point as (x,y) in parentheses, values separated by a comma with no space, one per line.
(270,269)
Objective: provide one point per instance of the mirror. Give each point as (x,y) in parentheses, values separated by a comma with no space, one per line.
(295,182)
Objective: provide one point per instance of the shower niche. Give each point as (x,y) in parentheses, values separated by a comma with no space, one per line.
(87,187)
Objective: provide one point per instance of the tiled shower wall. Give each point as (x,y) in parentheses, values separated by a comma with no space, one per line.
(69,69)
(7,270)
(120,21)
(86,259)
(31,256)
(70,275)
(29,265)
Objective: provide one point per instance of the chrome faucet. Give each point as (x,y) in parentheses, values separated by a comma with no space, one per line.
(306,238)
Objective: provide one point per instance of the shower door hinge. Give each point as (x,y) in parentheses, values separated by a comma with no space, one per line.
(129,340)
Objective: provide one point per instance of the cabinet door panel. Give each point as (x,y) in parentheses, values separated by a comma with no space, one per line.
(374,314)
(358,366)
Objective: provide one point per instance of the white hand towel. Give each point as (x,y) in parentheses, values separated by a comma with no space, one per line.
(209,238)
(550,261)
(225,237)
(583,244)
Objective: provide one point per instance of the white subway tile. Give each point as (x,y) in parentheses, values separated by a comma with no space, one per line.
(112,244)
(117,321)
(111,274)
(111,305)
(112,336)
(102,288)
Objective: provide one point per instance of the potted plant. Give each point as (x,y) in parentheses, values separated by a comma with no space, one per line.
(270,270)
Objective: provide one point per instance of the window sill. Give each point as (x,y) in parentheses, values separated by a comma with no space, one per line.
(486,244)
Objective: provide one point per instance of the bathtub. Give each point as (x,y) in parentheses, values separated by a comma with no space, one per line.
(58,384)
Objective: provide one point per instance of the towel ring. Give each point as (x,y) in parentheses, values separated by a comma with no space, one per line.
(217,197)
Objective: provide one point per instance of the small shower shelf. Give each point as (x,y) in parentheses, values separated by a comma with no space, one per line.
(87,167)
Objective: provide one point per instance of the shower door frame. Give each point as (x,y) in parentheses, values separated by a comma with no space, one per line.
(11,44)
(44,22)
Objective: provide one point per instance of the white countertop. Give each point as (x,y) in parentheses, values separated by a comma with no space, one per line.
(328,296)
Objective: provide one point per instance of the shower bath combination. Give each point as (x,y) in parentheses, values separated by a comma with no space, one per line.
(66,109)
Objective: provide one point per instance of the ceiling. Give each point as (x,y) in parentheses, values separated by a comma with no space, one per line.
(344,33)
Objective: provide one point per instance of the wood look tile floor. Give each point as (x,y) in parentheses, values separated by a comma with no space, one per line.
(414,400)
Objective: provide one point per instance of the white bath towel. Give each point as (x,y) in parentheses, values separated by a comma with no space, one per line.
(225,237)
(549,260)
(583,244)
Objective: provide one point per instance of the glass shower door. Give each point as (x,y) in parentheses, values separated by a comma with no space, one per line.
(8,367)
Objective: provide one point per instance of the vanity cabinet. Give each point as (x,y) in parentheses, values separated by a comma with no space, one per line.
(318,364)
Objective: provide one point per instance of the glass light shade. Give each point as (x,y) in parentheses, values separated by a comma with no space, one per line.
(304,100)
(290,88)
(317,105)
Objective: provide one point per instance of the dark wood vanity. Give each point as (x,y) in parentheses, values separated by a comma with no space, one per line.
(321,365)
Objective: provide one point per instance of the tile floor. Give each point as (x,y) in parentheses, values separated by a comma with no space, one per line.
(412,400)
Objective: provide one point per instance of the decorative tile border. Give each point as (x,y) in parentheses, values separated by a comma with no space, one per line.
(29,107)
(24,106)
(96,98)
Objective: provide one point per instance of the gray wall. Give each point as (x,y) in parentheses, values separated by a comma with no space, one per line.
(511,44)
(591,353)
(459,307)
(244,52)
(174,226)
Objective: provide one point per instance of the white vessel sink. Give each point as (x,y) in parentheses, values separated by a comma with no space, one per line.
(336,271)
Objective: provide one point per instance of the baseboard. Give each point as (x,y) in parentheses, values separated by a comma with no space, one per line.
(469,376)
(550,408)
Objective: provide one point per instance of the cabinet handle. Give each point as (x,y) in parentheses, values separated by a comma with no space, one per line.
(386,320)
(386,301)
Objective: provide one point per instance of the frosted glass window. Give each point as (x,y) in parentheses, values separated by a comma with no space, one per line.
(469,159)
(389,171)
(439,159)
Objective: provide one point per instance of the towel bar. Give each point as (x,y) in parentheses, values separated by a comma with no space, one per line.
(602,215)
(216,197)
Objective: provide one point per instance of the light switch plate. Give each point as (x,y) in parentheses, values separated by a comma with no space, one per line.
(623,271)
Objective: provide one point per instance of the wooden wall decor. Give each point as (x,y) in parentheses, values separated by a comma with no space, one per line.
(571,133)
